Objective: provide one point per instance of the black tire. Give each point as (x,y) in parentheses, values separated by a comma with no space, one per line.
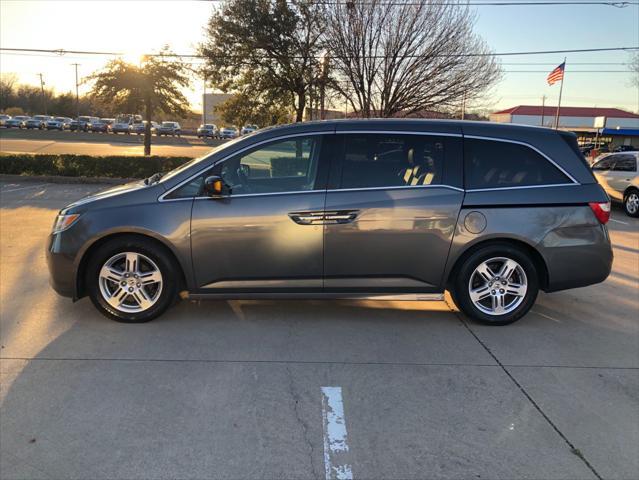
(461,294)
(631,195)
(158,254)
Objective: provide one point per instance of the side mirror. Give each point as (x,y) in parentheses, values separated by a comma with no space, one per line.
(214,186)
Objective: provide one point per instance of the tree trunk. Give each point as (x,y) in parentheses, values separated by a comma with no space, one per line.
(301,104)
(147,128)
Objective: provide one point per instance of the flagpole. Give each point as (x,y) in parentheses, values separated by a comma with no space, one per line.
(561,87)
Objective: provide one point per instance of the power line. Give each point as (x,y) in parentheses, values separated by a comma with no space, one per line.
(62,52)
(504,3)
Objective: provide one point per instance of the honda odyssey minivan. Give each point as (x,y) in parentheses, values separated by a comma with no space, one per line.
(399,209)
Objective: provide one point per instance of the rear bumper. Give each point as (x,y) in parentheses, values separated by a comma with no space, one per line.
(577,257)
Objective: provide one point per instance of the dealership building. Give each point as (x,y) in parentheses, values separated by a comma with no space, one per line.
(611,125)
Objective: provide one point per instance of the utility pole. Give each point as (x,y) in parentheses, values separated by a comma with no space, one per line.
(77,91)
(204,101)
(44,100)
(543,106)
(463,110)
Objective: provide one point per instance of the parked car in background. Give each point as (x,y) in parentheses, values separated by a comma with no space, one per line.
(123,122)
(246,129)
(617,174)
(228,132)
(207,130)
(37,121)
(3,119)
(16,122)
(81,124)
(98,126)
(59,123)
(169,128)
(625,148)
(493,213)
(138,128)
(109,122)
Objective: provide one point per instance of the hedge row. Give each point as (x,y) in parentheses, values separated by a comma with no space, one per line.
(87,165)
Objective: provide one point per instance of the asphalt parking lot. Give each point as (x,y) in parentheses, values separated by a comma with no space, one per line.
(309,389)
(85,143)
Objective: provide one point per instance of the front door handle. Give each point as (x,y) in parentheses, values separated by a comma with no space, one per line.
(307,218)
(323,218)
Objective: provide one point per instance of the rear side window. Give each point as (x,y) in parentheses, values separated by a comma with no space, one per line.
(606,163)
(494,164)
(626,163)
(389,160)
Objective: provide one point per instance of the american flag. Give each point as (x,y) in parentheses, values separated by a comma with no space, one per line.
(557,74)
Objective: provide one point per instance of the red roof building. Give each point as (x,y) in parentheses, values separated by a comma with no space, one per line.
(571,118)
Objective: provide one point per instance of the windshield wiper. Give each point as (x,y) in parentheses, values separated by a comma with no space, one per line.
(153,178)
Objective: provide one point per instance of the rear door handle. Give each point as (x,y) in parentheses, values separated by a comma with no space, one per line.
(340,216)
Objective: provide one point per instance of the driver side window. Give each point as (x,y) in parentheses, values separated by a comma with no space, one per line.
(283,166)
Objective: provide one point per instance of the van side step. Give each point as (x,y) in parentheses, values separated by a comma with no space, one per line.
(410,297)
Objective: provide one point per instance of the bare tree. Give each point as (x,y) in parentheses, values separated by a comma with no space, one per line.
(397,59)
(634,69)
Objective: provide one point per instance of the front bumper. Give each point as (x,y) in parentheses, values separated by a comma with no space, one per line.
(61,267)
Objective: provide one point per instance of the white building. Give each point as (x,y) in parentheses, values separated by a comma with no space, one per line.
(209,102)
(578,119)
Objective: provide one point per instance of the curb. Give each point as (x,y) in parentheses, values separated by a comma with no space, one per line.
(61,179)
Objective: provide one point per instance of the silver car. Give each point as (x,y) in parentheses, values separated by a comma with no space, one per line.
(401,209)
(617,173)
(16,122)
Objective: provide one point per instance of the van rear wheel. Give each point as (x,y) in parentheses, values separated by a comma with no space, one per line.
(496,285)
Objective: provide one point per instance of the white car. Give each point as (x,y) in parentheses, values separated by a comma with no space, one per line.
(59,123)
(617,174)
(3,119)
(246,129)
(228,132)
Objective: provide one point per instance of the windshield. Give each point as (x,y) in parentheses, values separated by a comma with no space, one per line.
(168,124)
(195,161)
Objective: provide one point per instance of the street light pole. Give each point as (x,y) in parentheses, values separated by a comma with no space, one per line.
(77,93)
(44,100)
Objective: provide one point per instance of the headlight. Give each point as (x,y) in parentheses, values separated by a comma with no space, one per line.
(62,222)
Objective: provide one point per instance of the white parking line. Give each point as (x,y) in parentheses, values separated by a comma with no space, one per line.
(335,436)
(618,221)
(23,188)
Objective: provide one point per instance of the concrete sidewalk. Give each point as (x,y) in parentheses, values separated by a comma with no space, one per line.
(234,389)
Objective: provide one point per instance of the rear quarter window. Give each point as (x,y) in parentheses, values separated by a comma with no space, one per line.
(497,164)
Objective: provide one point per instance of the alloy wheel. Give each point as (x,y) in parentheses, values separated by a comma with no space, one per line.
(130,282)
(632,203)
(498,286)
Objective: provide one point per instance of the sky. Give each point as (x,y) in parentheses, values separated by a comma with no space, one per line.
(138,27)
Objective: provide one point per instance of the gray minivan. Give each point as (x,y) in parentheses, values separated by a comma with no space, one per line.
(346,209)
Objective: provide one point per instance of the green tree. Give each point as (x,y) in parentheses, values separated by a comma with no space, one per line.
(154,85)
(244,108)
(271,47)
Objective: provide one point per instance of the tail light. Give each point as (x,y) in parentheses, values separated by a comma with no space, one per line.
(601,211)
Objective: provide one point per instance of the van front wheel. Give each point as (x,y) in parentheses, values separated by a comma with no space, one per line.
(131,280)
(496,285)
